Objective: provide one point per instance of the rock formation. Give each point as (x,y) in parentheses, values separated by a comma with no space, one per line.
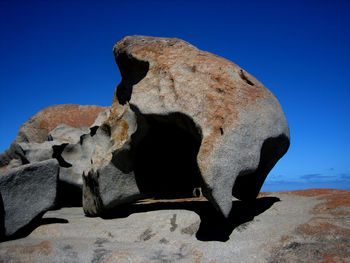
(237,126)
(36,131)
(181,119)
(32,169)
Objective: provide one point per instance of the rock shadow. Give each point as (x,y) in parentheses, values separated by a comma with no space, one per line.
(213,226)
(132,71)
(249,182)
(68,195)
(165,158)
(35,223)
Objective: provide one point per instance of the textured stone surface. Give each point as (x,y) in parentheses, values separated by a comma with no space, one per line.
(27,192)
(181,119)
(323,238)
(240,124)
(36,131)
(62,138)
(303,226)
(108,173)
(28,164)
(67,134)
(37,152)
(41,124)
(46,135)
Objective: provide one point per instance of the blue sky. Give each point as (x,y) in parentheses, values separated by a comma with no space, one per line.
(57,52)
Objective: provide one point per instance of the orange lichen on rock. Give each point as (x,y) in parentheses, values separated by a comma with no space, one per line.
(70,114)
(43,248)
(334,258)
(335,239)
(233,112)
(3,169)
(320,226)
(326,236)
(41,124)
(312,192)
(337,202)
(208,80)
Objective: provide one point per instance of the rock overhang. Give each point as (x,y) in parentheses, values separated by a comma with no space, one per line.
(235,113)
(220,128)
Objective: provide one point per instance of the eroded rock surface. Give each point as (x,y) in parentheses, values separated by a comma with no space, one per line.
(40,125)
(28,173)
(181,119)
(31,143)
(108,176)
(238,127)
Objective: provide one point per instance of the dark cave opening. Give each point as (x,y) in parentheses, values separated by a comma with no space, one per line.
(165,156)
(165,159)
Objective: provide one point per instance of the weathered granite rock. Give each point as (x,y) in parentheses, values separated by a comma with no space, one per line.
(113,160)
(28,146)
(26,193)
(15,152)
(300,226)
(36,152)
(181,119)
(29,159)
(67,134)
(62,138)
(46,135)
(40,125)
(239,124)
(107,161)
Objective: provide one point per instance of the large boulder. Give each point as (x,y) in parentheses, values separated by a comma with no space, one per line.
(214,112)
(26,193)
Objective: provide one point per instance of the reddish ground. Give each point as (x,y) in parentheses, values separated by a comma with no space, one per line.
(326,237)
